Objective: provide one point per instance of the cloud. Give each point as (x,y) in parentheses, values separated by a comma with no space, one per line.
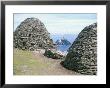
(60,23)
(68,26)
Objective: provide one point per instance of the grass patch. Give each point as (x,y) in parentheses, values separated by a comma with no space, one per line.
(25,63)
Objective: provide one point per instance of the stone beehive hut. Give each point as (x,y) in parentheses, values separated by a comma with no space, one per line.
(82,55)
(31,34)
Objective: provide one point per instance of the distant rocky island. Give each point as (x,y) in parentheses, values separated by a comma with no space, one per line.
(82,55)
(62,41)
(32,34)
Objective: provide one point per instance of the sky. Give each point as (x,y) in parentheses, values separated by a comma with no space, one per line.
(60,23)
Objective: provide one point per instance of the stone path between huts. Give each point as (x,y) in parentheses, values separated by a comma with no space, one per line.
(53,66)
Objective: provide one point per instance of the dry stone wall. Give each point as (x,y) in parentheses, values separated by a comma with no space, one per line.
(32,34)
(82,56)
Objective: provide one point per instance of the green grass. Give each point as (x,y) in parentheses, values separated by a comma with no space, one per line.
(25,63)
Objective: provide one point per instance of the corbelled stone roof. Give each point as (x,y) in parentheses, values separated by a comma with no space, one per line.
(82,55)
(32,34)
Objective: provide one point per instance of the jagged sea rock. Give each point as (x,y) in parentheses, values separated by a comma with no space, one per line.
(32,34)
(82,55)
(63,41)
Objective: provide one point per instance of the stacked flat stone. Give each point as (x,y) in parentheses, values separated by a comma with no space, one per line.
(32,34)
(82,55)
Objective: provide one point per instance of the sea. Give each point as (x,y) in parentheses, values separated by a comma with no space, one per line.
(69,37)
(63,48)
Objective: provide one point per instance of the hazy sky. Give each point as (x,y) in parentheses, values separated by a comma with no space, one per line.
(60,23)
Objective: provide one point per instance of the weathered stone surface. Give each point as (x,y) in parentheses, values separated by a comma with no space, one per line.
(32,34)
(53,55)
(82,55)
